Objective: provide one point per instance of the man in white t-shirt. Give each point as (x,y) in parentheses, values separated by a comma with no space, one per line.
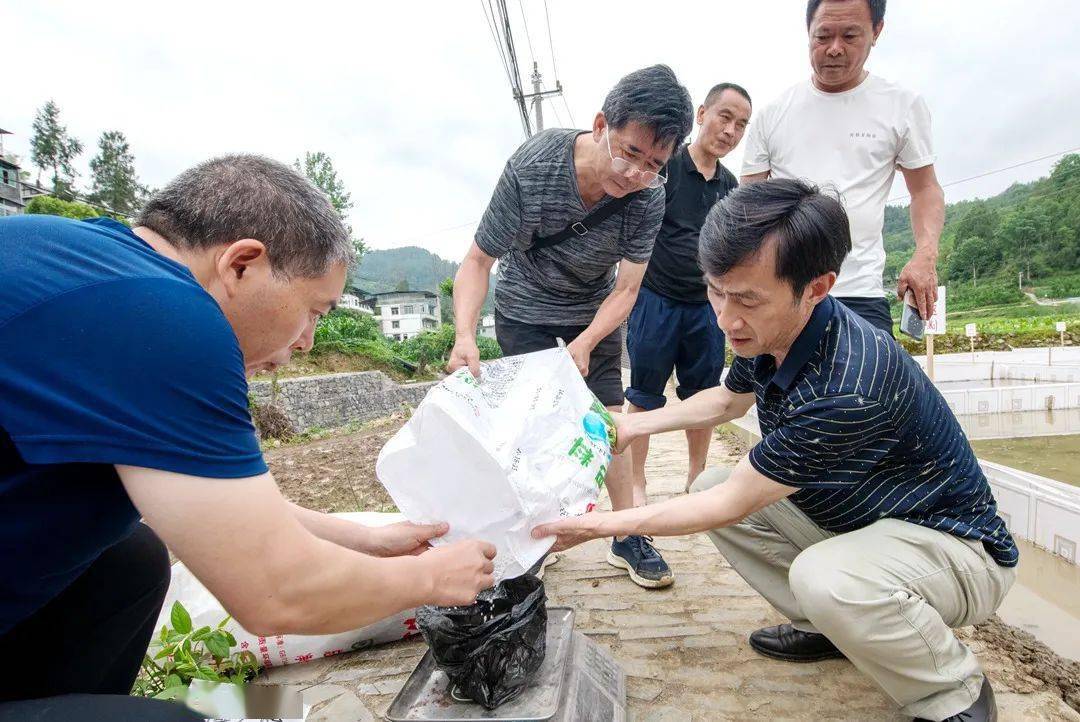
(850,129)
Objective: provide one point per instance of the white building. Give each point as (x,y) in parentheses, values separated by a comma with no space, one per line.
(349,300)
(404,314)
(487,326)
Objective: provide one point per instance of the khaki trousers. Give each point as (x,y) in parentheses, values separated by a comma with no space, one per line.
(886,595)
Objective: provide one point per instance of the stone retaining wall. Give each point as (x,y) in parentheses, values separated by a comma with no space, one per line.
(338,399)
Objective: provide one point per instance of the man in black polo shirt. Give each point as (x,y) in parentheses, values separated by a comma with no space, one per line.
(672,326)
(862,515)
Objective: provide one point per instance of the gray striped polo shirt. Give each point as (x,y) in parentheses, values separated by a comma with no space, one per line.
(538,193)
(852,421)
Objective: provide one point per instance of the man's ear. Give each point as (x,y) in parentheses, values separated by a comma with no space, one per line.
(598,125)
(700,114)
(877,32)
(239,260)
(819,288)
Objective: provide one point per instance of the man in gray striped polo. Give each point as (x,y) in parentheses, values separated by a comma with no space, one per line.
(580,288)
(862,515)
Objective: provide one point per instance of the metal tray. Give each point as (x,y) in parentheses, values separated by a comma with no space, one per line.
(426,697)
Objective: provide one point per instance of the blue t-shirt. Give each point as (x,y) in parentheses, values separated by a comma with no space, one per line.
(852,421)
(110,353)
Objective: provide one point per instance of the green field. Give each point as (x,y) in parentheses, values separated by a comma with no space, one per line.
(999,328)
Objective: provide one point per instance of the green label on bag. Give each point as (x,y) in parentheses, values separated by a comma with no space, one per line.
(605,416)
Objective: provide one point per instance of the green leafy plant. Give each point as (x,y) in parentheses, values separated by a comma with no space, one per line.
(50,206)
(433,347)
(183,653)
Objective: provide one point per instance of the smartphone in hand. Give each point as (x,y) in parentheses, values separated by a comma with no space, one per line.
(911,322)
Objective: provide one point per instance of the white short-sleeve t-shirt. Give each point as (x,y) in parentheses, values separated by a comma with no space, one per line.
(852,141)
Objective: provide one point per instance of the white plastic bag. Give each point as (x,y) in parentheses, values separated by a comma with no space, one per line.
(525,445)
(205,610)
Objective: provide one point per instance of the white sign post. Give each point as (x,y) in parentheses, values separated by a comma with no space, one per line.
(1060,326)
(971,332)
(934,325)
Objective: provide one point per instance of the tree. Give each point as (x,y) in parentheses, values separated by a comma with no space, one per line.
(403,285)
(1066,173)
(980,221)
(974,255)
(446,291)
(319,169)
(114,183)
(1021,234)
(52,147)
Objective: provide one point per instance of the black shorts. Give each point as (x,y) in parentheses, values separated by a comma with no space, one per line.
(874,311)
(605,363)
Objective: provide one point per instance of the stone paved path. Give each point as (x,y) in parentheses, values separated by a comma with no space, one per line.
(684,648)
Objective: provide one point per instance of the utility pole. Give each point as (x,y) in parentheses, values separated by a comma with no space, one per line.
(521,98)
(538,95)
(538,108)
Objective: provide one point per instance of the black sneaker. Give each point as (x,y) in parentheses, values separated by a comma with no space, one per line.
(638,557)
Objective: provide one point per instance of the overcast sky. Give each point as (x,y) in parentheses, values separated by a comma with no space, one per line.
(412,103)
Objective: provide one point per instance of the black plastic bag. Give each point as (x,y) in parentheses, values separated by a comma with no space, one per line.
(492,648)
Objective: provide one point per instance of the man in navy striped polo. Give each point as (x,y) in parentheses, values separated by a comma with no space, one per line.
(862,515)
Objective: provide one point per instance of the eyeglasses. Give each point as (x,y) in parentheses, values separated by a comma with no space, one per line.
(625,168)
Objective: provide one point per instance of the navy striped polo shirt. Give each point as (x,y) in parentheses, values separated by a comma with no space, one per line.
(852,421)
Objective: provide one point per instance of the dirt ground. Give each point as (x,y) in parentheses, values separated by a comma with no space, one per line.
(337,473)
(1033,658)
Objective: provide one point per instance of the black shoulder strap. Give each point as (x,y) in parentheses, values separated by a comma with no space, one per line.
(583,226)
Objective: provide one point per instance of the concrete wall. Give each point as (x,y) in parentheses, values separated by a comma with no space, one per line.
(1043,511)
(338,399)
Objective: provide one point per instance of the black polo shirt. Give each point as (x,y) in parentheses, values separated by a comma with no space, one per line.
(851,420)
(673,270)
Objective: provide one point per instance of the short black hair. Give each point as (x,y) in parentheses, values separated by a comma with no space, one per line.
(717,90)
(653,97)
(877,11)
(810,228)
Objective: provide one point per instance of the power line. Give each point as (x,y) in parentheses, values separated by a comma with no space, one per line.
(515,80)
(992,172)
(528,37)
(555,69)
(494,36)
(1039,197)
(555,109)
(551,42)
(498,19)
(573,123)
